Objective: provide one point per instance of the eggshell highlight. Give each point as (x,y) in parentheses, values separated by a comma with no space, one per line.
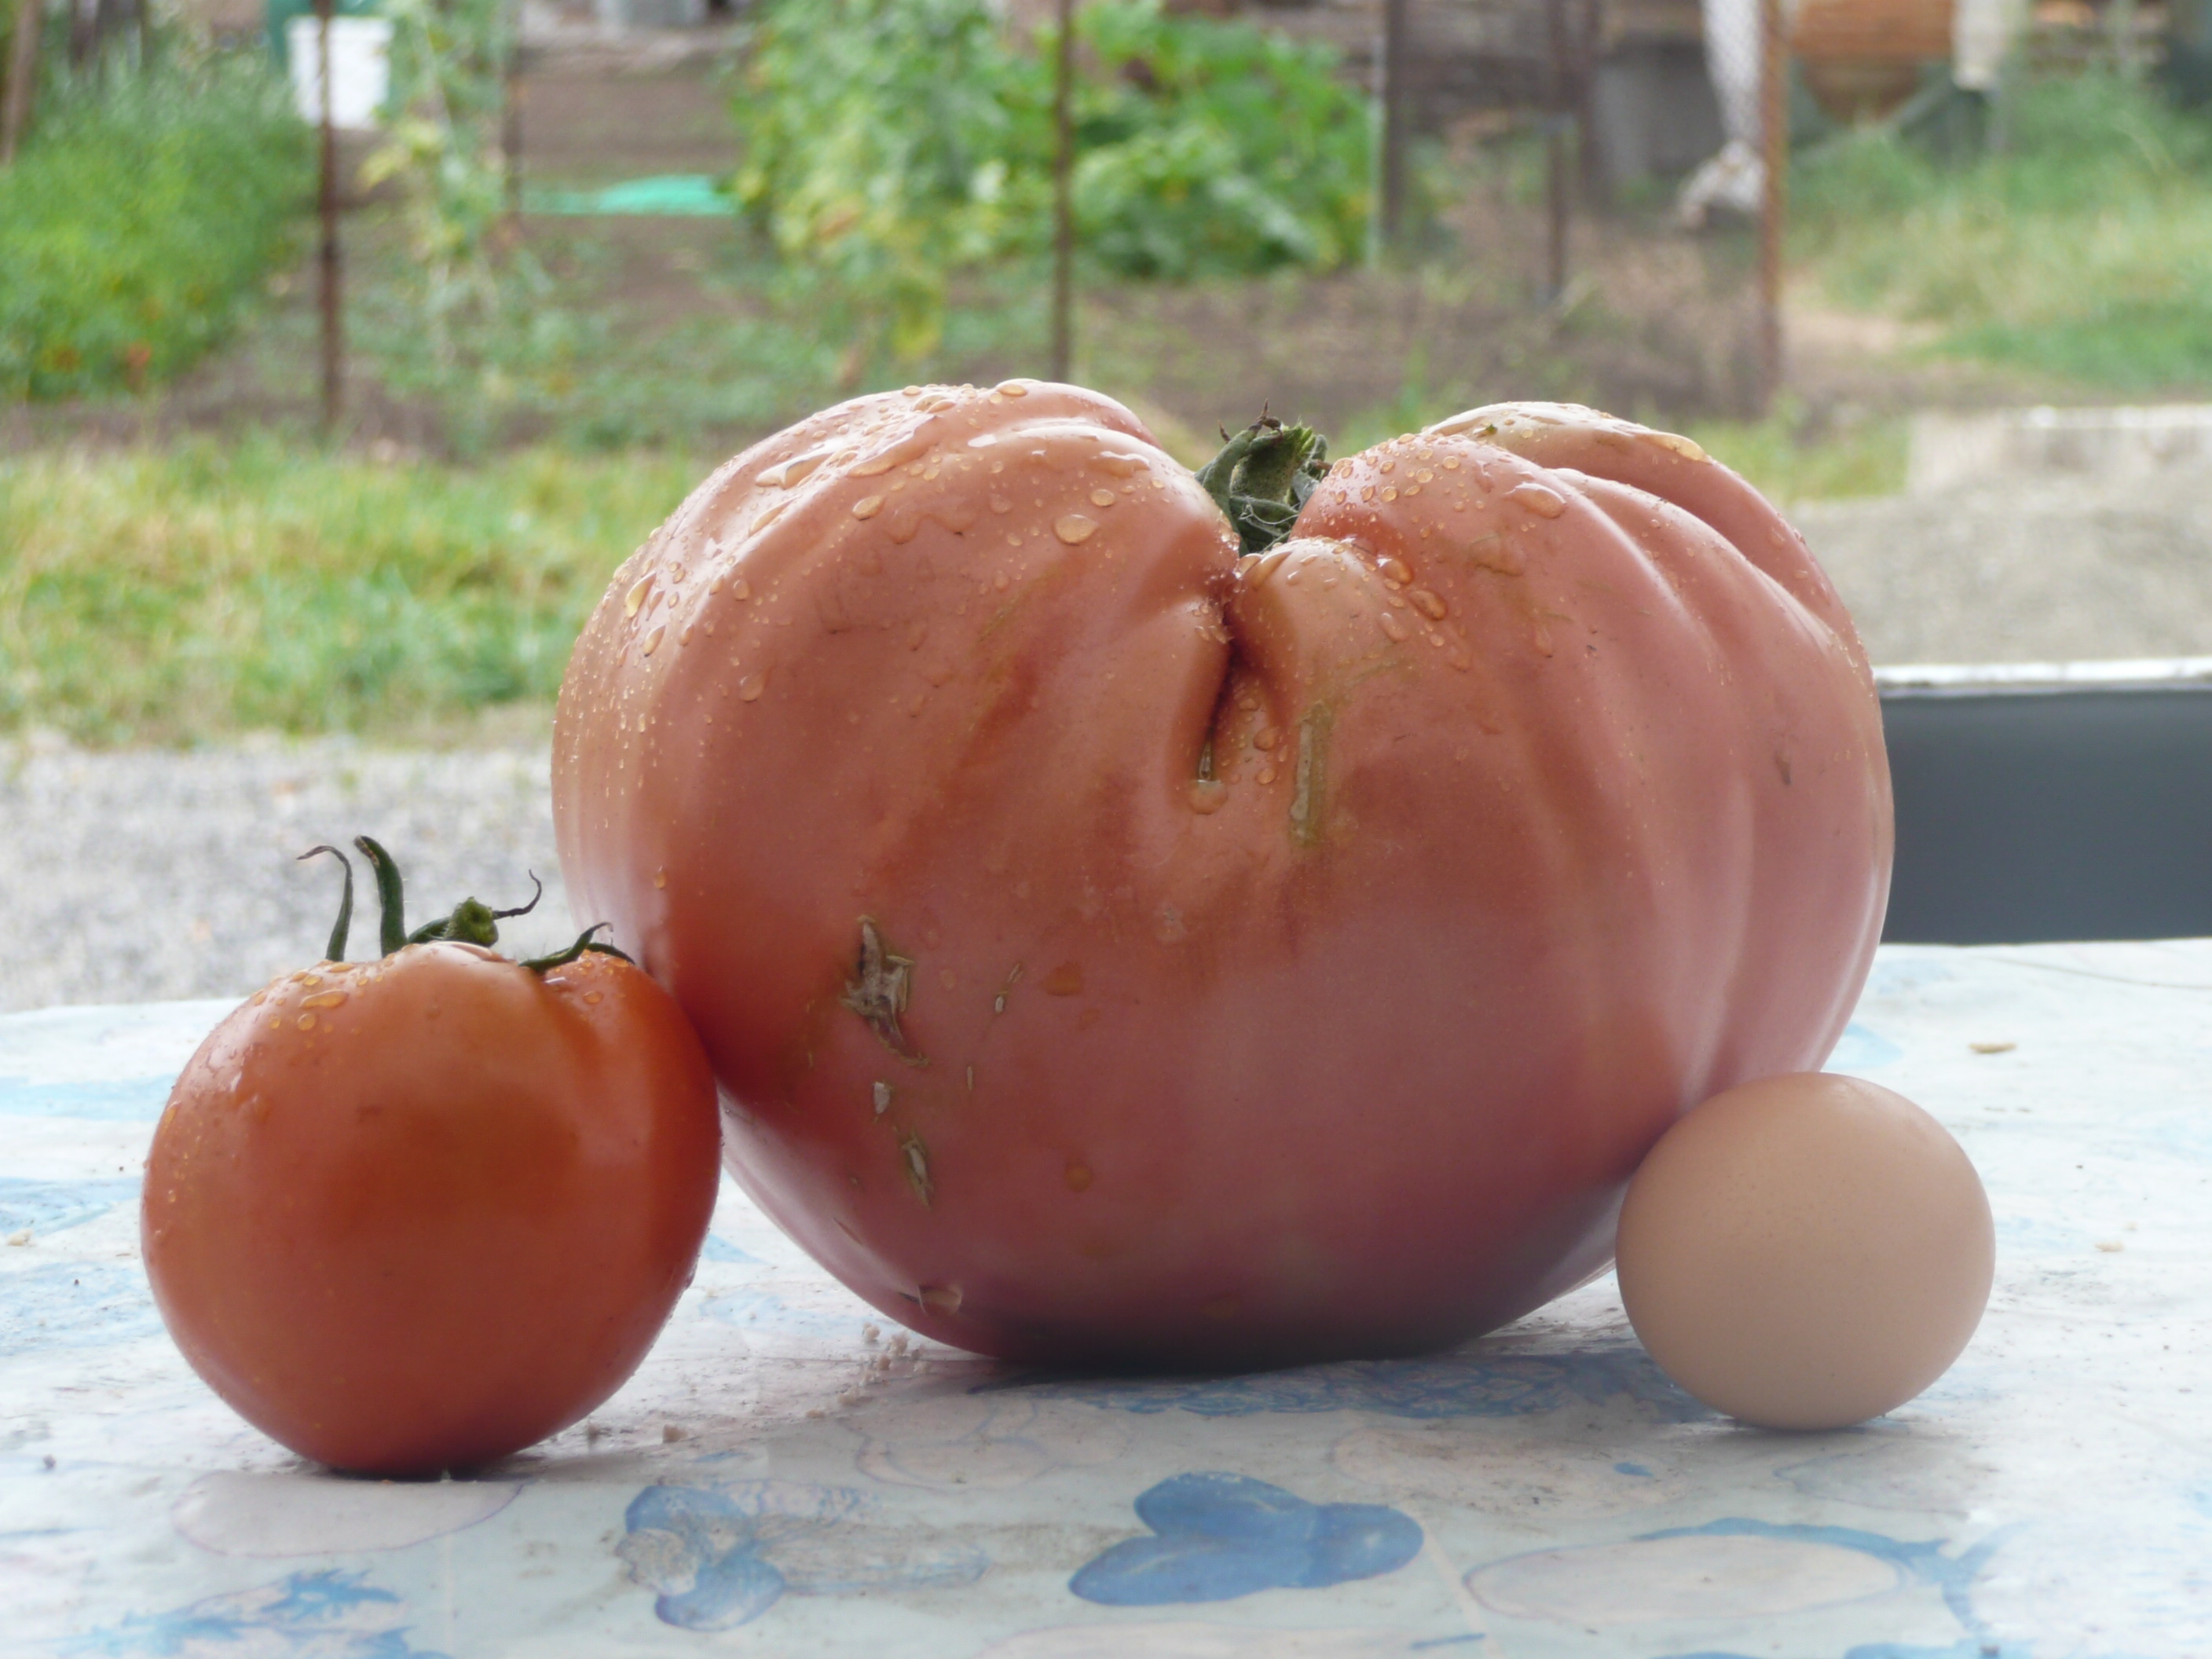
(1805,1251)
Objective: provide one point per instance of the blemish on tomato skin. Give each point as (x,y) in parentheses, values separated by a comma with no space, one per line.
(1078,1176)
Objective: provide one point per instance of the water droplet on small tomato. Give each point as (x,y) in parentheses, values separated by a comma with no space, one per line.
(652,639)
(1011,389)
(660,879)
(1101,498)
(868,507)
(1073,527)
(750,687)
(636,597)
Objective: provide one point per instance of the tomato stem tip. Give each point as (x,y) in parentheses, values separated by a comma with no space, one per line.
(1262,477)
(584,942)
(336,950)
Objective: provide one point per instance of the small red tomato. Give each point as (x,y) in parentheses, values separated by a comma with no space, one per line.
(415,1214)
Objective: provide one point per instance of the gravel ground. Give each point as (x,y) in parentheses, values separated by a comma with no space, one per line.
(2049,571)
(144,875)
(136,876)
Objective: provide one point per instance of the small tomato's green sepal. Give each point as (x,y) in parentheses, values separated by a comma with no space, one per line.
(335,952)
(584,942)
(475,922)
(391,896)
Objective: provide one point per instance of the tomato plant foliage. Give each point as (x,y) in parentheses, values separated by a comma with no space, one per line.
(890,142)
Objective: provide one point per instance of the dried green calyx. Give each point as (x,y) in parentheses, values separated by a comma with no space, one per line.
(1261,478)
(470,922)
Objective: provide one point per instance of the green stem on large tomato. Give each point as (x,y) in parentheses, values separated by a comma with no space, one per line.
(1261,478)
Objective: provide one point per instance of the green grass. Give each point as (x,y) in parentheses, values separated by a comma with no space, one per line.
(139,221)
(2084,250)
(174,595)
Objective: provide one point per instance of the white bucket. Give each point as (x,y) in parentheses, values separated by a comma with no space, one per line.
(361,69)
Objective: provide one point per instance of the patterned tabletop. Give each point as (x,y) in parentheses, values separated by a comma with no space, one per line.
(788,1474)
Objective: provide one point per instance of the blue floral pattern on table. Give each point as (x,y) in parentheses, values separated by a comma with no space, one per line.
(325,1614)
(1448,1385)
(721,1556)
(1217,1536)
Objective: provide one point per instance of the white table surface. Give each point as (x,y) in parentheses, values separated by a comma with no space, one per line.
(788,1474)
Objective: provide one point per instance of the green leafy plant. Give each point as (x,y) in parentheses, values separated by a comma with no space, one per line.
(1215,149)
(443,148)
(139,219)
(887,145)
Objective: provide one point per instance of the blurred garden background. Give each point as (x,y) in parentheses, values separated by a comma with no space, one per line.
(586,251)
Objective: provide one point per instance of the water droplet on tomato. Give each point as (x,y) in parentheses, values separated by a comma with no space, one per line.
(1011,389)
(1389,492)
(652,639)
(868,507)
(941,1298)
(1208,795)
(305,1022)
(1101,498)
(1073,527)
(323,999)
(750,687)
(636,597)
(908,447)
(660,879)
(1394,570)
(1429,604)
(1688,449)
(594,996)
(1544,503)
(1394,626)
